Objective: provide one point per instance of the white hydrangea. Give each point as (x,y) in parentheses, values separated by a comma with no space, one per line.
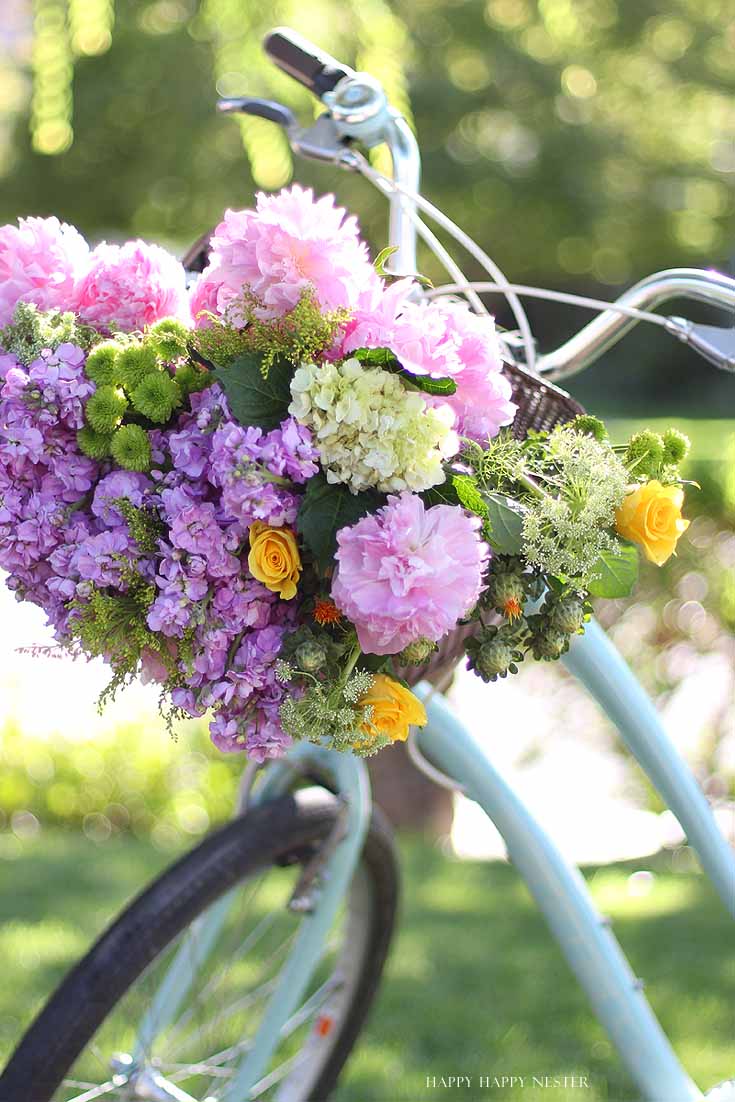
(370,430)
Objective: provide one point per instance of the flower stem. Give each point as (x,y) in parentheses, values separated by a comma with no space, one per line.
(530,484)
(351,663)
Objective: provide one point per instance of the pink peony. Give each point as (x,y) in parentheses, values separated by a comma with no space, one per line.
(203,300)
(290,242)
(132,285)
(39,262)
(408,572)
(482,402)
(416,332)
(442,339)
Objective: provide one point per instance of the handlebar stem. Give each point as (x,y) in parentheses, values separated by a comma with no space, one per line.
(360,111)
(406,159)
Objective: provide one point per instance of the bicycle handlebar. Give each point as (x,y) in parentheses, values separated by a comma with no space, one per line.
(305,62)
(590,343)
(357,110)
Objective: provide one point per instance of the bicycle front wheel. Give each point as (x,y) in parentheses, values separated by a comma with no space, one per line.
(85,1043)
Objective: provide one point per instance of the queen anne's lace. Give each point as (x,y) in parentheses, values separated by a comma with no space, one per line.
(370,431)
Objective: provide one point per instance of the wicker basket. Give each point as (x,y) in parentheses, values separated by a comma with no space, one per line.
(541,406)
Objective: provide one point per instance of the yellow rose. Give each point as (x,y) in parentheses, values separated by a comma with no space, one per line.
(274,558)
(394,710)
(651,516)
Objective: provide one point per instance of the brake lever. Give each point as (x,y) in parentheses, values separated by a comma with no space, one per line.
(322,141)
(261,108)
(713,342)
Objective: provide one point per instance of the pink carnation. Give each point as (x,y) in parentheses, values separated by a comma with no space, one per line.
(290,242)
(408,572)
(132,285)
(442,339)
(39,263)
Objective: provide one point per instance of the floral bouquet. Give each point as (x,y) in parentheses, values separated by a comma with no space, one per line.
(277,492)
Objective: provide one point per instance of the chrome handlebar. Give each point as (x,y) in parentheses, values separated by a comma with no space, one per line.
(715,344)
(358,111)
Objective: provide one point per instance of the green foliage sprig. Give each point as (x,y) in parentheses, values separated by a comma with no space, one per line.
(296,337)
(32,330)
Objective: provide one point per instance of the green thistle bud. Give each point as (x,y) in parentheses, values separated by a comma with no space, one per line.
(131,448)
(416,652)
(190,380)
(567,615)
(94,444)
(676,446)
(310,656)
(507,593)
(135,363)
(590,426)
(101,366)
(494,659)
(105,408)
(550,644)
(156,397)
(644,453)
(169,338)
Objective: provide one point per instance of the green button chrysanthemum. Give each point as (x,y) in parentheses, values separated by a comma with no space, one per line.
(190,379)
(94,444)
(156,397)
(131,448)
(105,408)
(135,363)
(101,366)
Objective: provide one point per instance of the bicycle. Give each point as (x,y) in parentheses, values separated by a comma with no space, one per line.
(180,1000)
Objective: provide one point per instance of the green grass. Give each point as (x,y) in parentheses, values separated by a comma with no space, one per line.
(475,985)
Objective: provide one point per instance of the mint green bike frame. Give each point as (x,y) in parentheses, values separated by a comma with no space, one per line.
(583,934)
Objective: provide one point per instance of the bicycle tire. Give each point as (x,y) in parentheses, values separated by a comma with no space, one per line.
(280,831)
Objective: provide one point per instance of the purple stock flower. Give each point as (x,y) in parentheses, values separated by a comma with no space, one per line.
(62,537)
(118,484)
(96,559)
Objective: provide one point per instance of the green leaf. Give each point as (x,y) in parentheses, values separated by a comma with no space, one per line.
(446,494)
(377,357)
(253,399)
(423,281)
(617,572)
(505,518)
(383,357)
(469,496)
(428,384)
(383,256)
(325,508)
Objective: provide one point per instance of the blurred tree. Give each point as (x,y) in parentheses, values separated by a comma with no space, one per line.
(585,143)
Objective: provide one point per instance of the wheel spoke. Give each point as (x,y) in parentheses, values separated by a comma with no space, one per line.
(246,1001)
(231,969)
(177,1071)
(276,1075)
(247,945)
(310,1007)
(95,1092)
